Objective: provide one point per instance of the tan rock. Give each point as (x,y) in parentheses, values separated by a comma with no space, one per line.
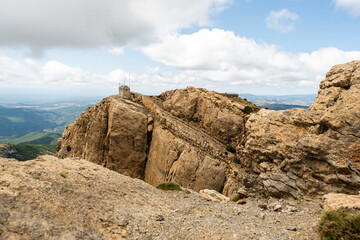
(241,201)
(173,159)
(182,135)
(334,201)
(113,134)
(310,152)
(218,115)
(214,195)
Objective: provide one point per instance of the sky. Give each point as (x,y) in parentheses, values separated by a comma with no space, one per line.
(264,47)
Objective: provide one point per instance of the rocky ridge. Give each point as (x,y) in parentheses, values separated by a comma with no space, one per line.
(302,153)
(183,136)
(117,133)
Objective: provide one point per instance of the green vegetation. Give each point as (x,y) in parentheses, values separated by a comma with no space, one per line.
(15,122)
(230,148)
(63,175)
(336,98)
(339,224)
(248,110)
(19,121)
(47,138)
(236,198)
(236,160)
(169,186)
(26,151)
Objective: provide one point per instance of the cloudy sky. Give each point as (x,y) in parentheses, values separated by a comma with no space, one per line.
(240,46)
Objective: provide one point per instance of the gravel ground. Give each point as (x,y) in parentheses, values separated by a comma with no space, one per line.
(197,218)
(51,198)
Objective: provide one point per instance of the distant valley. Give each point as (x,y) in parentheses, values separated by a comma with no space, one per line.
(31,125)
(274,102)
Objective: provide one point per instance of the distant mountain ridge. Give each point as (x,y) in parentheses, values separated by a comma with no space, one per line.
(298,100)
(18,121)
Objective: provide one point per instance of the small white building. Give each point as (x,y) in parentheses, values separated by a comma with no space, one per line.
(124,92)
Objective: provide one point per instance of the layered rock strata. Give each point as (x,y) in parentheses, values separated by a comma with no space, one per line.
(142,138)
(205,140)
(300,153)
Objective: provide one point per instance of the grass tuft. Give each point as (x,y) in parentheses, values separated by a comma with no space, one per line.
(230,148)
(236,198)
(63,175)
(169,186)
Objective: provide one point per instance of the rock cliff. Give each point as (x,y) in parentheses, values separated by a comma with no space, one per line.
(300,153)
(143,138)
(205,140)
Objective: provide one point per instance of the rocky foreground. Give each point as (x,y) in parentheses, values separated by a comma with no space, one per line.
(51,198)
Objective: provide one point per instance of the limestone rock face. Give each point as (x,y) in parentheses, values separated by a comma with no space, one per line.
(216,114)
(183,136)
(299,153)
(336,86)
(173,159)
(140,139)
(113,134)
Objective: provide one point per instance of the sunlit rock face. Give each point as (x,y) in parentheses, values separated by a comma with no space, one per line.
(206,140)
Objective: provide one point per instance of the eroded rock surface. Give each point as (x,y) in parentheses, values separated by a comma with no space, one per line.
(205,140)
(300,153)
(113,134)
(71,198)
(218,115)
(139,138)
(334,201)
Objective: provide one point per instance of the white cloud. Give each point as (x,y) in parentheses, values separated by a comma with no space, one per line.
(214,59)
(31,74)
(116,50)
(218,56)
(282,20)
(351,6)
(87,23)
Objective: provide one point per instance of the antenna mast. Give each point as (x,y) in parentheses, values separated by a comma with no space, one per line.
(129,79)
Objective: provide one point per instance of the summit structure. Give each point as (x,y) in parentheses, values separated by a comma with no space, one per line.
(124,91)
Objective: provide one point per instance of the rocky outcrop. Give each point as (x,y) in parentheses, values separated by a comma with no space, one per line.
(113,133)
(205,140)
(216,114)
(141,139)
(300,153)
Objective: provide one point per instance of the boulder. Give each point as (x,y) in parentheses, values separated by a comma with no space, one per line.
(213,195)
(334,201)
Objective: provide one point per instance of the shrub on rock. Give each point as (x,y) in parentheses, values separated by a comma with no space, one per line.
(169,186)
(339,224)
